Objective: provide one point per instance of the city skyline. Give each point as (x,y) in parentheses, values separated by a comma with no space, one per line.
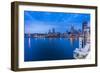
(42,22)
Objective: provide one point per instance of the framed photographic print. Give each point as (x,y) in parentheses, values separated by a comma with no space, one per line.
(52,36)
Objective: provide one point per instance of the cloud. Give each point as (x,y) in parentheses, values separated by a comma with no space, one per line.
(41,22)
(38,27)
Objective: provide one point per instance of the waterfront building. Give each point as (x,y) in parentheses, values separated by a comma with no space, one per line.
(80,42)
(84,43)
(86,32)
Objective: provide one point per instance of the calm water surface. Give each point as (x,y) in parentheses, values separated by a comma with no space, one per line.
(37,49)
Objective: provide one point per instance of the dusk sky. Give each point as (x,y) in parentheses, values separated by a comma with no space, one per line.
(42,22)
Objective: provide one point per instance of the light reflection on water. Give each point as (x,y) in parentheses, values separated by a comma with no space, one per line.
(39,49)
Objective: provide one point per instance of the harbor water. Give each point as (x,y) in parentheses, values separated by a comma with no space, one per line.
(43,49)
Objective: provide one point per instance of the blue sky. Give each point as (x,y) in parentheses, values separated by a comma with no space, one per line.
(42,22)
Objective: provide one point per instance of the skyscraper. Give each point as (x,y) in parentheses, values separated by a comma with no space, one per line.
(84,30)
(53,30)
